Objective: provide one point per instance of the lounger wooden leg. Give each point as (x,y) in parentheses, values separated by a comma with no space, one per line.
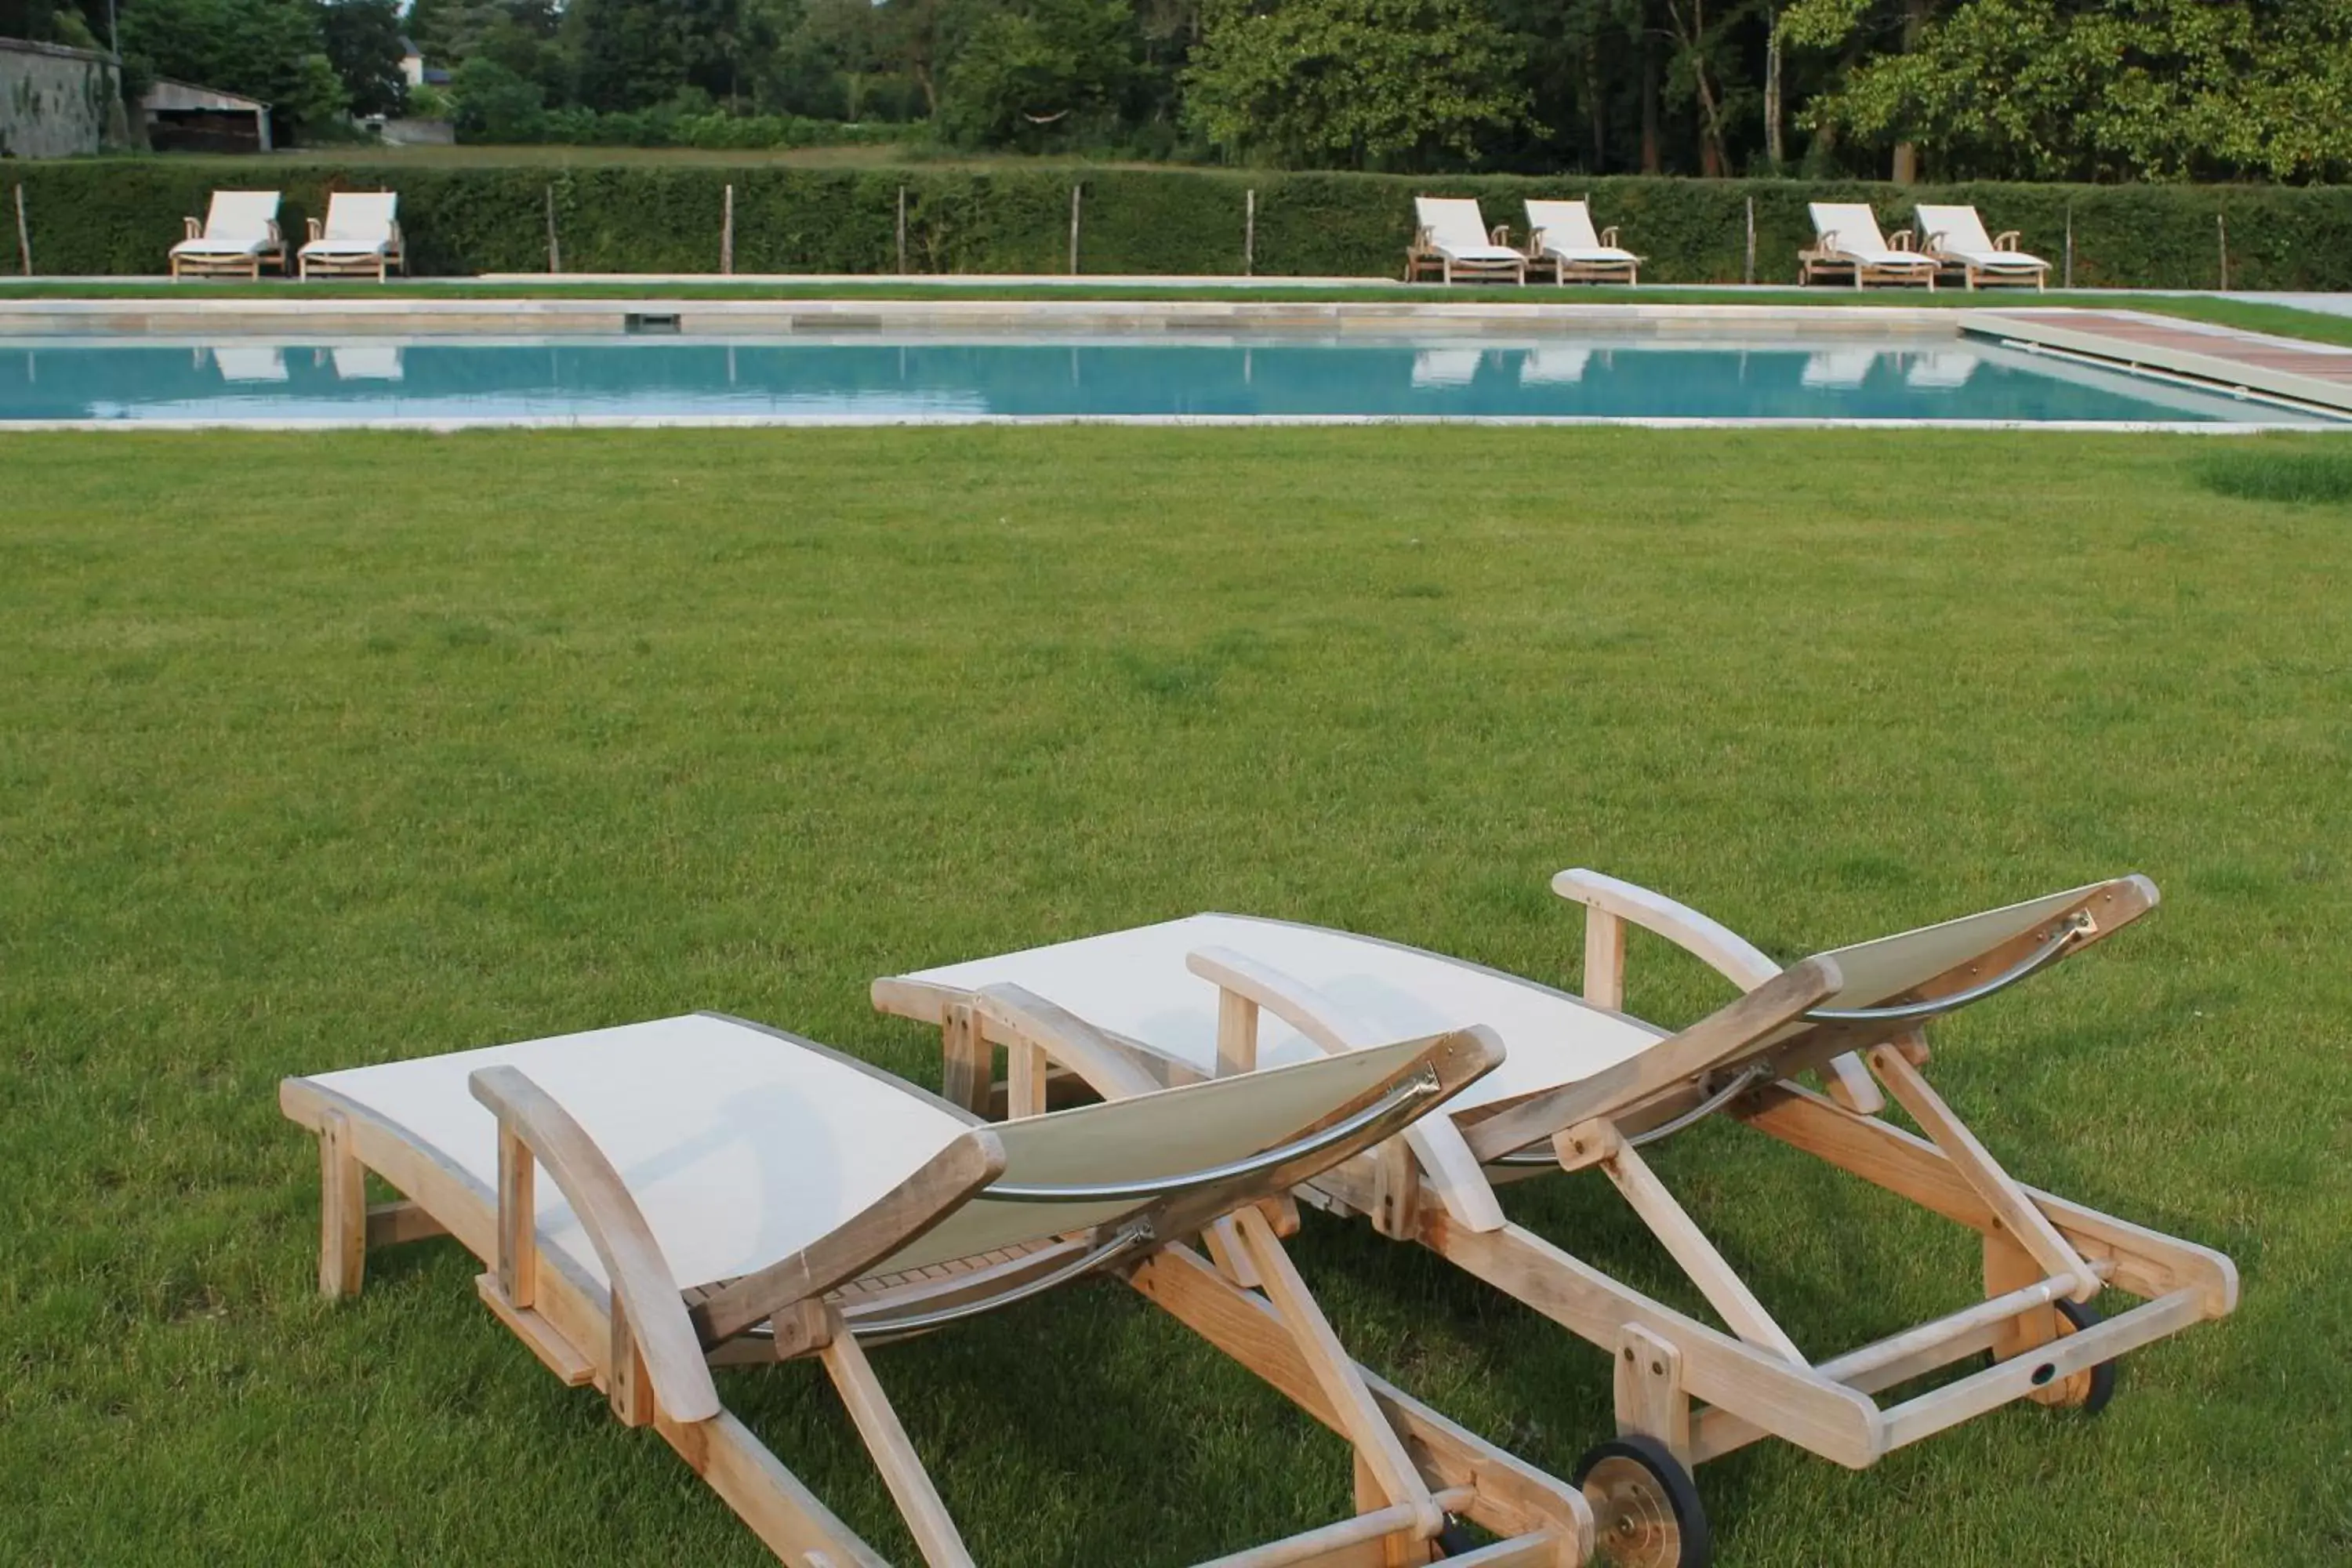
(342,1212)
(1507,1496)
(1717,1281)
(902,1470)
(787,1517)
(969,1070)
(2012,1209)
(1651,1398)
(1378,1448)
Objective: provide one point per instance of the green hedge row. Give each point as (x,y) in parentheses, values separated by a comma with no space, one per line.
(121,216)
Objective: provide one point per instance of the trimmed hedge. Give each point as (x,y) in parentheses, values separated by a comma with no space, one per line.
(121,216)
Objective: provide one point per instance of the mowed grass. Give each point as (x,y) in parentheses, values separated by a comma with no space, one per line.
(321,751)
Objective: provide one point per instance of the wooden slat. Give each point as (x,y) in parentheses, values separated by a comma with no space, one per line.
(402,1220)
(1680,1236)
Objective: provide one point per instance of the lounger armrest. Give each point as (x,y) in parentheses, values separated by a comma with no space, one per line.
(1499,235)
(1108,1067)
(196,228)
(1727,954)
(1609,238)
(1445,1160)
(2007,239)
(1902,239)
(318,230)
(649,1316)
(937,1189)
(276,236)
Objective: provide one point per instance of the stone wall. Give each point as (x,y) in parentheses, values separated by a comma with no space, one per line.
(56,102)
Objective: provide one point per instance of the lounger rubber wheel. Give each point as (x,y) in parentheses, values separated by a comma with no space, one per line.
(1645,1508)
(2089,1390)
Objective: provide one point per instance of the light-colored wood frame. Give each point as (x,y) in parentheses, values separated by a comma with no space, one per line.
(185,264)
(1975,274)
(649,1346)
(1696,1388)
(1421,255)
(355,264)
(1825,259)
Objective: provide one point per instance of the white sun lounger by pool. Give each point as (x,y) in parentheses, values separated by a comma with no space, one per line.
(360,236)
(659,1198)
(1585,1085)
(1561,236)
(1848,244)
(240,235)
(1956,240)
(1452,239)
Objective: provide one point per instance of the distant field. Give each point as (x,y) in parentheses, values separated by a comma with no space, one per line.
(322,750)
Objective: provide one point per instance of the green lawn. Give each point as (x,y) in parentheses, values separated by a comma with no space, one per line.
(316,751)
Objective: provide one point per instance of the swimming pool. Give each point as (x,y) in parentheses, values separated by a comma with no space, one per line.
(855,379)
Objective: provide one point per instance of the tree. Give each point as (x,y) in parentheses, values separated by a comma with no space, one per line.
(1358,82)
(363,42)
(269,49)
(2169,89)
(1047,68)
(635,54)
(494,104)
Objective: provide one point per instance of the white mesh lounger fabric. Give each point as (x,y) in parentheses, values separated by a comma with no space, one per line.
(240,235)
(361,235)
(1955,238)
(1847,240)
(1453,241)
(1561,233)
(660,1197)
(1583,1085)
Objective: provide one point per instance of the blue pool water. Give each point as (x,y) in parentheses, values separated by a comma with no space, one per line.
(460,381)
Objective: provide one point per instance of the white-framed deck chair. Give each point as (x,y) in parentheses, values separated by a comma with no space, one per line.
(1955,239)
(1452,239)
(1561,236)
(1585,1085)
(657,1199)
(238,235)
(360,237)
(1847,244)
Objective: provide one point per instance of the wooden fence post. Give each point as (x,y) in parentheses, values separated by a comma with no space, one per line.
(24,234)
(1750,276)
(727,235)
(2221,229)
(1249,233)
(902,231)
(2068,281)
(554,250)
(1074,229)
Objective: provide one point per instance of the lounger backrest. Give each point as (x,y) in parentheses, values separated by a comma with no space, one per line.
(1854,225)
(241,217)
(1876,972)
(1954,228)
(365,216)
(1454,222)
(1171,1133)
(1563,225)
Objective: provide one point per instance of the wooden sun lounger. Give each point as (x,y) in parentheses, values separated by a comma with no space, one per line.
(1585,1086)
(1848,245)
(240,236)
(360,237)
(1957,241)
(819,1206)
(1451,239)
